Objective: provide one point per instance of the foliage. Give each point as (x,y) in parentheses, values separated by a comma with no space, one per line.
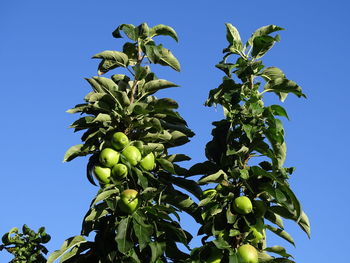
(26,247)
(246,154)
(126,103)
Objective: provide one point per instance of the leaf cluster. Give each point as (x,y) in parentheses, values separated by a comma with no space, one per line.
(26,246)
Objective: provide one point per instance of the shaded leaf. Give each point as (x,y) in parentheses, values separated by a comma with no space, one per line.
(124,244)
(128,29)
(279,111)
(157,249)
(283,234)
(278,250)
(213,178)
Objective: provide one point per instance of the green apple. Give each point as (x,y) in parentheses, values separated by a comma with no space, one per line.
(247,254)
(119,141)
(109,157)
(147,162)
(132,154)
(120,171)
(128,201)
(242,205)
(102,174)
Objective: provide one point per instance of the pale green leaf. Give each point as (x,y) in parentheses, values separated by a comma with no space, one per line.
(164,31)
(67,245)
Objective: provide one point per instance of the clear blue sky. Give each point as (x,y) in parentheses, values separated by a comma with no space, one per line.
(45,50)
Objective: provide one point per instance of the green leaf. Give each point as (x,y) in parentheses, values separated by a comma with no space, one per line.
(274,218)
(162,56)
(111,60)
(178,138)
(213,178)
(118,57)
(178,158)
(233,258)
(155,85)
(278,250)
(142,230)
(281,260)
(103,117)
(249,130)
(264,257)
(96,212)
(128,29)
(182,202)
(206,167)
(124,244)
(271,73)
(166,165)
(282,87)
(164,31)
(262,31)
(157,250)
(94,84)
(104,195)
(141,72)
(278,110)
(67,245)
(304,223)
(244,174)
(283,234)
(166,58)
(72,152)
(165,103)
(262,44)
(186,184)
(233,37)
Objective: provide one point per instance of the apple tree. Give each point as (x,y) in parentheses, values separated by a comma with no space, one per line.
(134,216)
(127,132)
(247,189)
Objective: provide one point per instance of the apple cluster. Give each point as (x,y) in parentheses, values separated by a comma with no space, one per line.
(112,161)
(242,205)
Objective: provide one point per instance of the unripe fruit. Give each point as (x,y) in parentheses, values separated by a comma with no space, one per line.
(132,154)
(119,141)
(128,201)
(147,162)
(119,171)
(247,254)
(242,205)
(109,157)
(102,174)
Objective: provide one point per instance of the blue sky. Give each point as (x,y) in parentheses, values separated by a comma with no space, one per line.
(45,51)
